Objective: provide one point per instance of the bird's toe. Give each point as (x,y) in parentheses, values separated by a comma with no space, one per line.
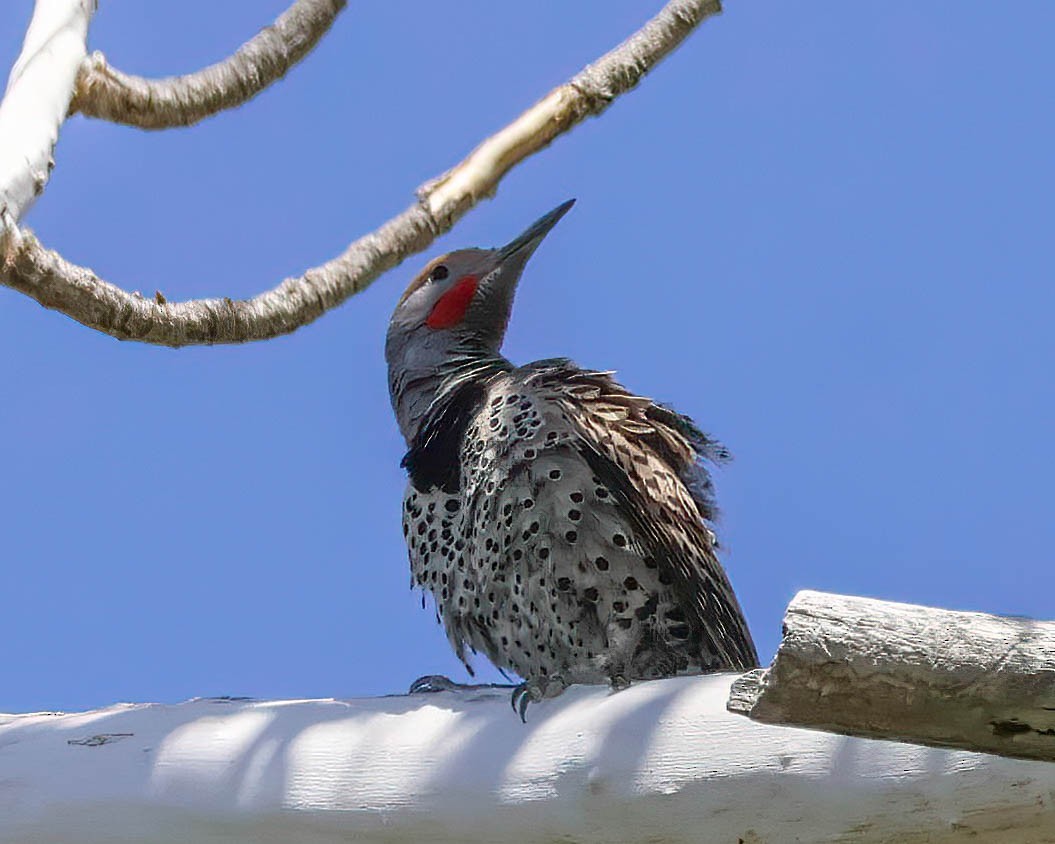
(433,683)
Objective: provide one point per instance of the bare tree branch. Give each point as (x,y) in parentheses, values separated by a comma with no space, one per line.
(105,92)
(78,293)
(36,101)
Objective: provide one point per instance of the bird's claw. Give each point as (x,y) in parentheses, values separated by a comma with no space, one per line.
(438,683)
(534,690)
(434,683)
(522,697)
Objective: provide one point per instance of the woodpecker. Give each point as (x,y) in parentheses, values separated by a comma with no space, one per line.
(563,525)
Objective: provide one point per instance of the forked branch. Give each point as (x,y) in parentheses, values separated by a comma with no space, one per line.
(105,92)
(77,292)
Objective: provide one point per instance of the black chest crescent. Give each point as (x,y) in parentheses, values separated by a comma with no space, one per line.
(433,458)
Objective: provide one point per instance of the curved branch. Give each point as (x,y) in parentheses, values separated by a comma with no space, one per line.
(105,92)
(36,101)
(78,293)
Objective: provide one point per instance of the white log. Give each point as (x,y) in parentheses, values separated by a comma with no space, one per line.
(661,761)
(897,671)
(37,100)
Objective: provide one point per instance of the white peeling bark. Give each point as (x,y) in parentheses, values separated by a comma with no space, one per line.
(660,761)
(35,103)
(897,671)
(105,92)
(79,293)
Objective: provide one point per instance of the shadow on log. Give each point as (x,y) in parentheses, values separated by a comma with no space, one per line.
(659,761)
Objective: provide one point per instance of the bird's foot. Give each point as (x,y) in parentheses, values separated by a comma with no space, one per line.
(535,690)
(434,683)
(438,683)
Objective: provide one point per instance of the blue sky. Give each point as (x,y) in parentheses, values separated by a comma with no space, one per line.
(823,230)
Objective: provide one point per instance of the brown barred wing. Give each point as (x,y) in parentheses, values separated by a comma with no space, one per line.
(649,458)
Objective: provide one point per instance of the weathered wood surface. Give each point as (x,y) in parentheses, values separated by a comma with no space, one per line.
(896,671)
(660,761)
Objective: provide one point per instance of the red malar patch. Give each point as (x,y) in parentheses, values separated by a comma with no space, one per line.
(452,305)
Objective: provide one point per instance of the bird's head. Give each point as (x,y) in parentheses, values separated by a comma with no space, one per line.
(469,293)
(457,307)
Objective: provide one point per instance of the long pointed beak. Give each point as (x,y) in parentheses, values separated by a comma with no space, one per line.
(528,241)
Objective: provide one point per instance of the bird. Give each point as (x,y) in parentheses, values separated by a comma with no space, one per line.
(563,525)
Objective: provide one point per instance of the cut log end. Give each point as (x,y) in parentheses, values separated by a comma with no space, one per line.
(877,669)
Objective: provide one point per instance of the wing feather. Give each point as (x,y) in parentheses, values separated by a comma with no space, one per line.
(651,458)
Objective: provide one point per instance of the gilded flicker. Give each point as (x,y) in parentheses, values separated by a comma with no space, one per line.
(561,523)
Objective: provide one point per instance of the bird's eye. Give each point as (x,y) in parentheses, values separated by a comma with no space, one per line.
(439,273)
